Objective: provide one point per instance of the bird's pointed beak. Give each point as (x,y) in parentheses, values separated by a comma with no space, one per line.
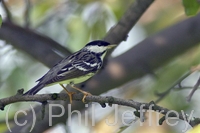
(112,45)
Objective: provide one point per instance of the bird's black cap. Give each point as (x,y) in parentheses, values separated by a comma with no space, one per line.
(98,42)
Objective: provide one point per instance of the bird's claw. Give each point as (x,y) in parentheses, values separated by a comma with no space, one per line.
(85,94)
(70,94)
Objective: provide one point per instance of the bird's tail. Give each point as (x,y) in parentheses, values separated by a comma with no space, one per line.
(35,89)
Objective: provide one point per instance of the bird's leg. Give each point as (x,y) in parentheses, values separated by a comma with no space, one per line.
(84,92)
(68,93)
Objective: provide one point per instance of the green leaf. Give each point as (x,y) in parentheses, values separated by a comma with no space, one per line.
(0,20)
(191,7)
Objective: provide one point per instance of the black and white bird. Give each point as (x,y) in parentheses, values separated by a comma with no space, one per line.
(75,68)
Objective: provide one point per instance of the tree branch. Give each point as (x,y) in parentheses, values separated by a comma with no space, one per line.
(40,47)
(102,100)
(119,32)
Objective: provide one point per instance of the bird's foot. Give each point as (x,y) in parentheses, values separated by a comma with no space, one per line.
(85,94)
(70,94)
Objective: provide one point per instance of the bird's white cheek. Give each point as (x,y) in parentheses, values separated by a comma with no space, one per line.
(97,49)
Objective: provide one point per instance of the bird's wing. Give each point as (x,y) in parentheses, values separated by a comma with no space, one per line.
(84,64)
(76,66)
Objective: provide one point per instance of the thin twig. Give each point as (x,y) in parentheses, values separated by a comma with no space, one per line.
(165,93)
(8,13)
(27,13)
(178,82)
(196,86)
(193,90)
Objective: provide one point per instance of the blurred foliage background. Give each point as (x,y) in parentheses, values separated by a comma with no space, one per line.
(73,23)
